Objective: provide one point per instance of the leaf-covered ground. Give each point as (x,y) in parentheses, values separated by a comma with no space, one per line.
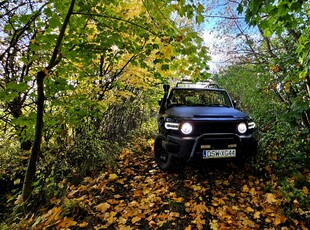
(139,196)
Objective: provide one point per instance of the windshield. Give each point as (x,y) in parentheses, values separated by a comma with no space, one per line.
(198,98)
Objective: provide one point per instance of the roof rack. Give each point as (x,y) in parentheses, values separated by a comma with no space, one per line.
(186,83)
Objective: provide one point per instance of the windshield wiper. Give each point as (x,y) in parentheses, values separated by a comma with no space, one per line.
(218,105)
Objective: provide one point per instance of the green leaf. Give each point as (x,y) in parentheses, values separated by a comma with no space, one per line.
(21,87)
(200,8)
(165,67)
(8,96)
(240,8)
(199,18)
(54,22)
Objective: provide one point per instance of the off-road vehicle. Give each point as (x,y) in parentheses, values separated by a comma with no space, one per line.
(199,120)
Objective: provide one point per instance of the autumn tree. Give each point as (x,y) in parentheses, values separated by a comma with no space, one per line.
(66,59)
(273,35)
(285,31)
(269,79)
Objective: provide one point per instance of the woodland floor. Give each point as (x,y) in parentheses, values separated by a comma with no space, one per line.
(139,196)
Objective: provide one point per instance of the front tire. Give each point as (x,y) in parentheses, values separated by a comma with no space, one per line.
(165,161)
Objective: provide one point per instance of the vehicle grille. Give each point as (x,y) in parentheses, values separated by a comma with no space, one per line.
(215,127)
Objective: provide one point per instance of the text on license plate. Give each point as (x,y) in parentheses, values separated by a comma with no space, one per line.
(219,153)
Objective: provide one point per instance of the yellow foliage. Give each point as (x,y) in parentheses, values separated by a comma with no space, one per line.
(130,9)
(167,51)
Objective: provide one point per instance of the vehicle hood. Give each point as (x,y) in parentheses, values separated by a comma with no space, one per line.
(205,112)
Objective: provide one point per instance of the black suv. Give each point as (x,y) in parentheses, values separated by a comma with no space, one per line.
(200,120)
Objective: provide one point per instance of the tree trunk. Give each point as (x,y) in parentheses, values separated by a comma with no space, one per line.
(36,148)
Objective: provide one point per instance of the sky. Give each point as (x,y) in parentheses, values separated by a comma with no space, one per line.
(217,57)
(220,33)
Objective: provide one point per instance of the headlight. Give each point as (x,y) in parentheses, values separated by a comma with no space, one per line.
(251,125)
(186,128)
(172,125)
(242,128)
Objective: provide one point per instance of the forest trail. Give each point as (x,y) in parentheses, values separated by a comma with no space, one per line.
(139,196)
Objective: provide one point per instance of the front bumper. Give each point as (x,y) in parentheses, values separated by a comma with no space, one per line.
(188,147)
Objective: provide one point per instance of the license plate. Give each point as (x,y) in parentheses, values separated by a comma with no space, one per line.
(219,153)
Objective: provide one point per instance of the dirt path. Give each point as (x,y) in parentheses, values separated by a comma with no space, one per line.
(139,196)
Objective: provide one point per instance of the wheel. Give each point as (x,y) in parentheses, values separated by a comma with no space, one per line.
(165,161)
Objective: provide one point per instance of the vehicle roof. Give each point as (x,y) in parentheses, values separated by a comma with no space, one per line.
(188,84)
(198,88)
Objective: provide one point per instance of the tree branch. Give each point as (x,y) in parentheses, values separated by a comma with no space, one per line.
(116,18)
(54,61)
(268,44)
(294,34)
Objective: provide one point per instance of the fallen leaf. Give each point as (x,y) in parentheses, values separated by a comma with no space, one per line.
(305,190)
(224,227)
(122,220)
(66,222)
(112,177)
(214,225)
(284,228)
(218,182)
(248,223)
(280,219)
(245,188)
(178,199)
(199,222)
(146,191)
(83,224)
(201,208)
(270,198)
(19,200)
(268,210)
(54,200)
(196,187)
(268,169)
(103,207)
(113,201)
(88,180)
(296,203)
(257,215)
(53,214)
(111,219)
(230,211)
(135,219)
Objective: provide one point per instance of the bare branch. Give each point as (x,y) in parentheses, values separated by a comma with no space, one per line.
(225,17)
